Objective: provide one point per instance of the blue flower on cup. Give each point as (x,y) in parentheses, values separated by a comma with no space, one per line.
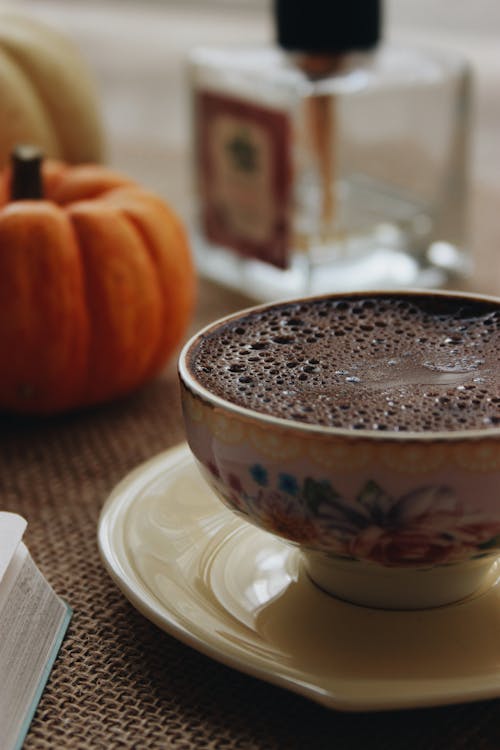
(288,484)
(259,475)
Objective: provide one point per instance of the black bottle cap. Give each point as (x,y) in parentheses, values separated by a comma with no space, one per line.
(325,26)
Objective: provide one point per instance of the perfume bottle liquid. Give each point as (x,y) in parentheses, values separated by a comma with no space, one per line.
(351,180)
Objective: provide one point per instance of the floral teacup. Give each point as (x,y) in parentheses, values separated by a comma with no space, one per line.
(394,519)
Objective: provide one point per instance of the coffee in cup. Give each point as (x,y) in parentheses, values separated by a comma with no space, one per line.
(404,362)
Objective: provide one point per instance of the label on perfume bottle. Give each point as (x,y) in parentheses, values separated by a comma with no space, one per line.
(245,174)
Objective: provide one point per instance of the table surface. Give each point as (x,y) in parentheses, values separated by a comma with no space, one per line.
(119,681)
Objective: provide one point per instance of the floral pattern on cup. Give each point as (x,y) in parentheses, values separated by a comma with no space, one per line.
(425,527)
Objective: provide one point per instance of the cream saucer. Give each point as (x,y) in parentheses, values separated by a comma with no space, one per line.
(240,596)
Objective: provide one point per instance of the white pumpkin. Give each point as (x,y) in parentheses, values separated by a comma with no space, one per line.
(47,96)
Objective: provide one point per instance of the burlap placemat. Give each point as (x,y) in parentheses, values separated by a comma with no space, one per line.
(119,682)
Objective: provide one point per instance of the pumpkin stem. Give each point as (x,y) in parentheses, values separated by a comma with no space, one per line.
(26,181)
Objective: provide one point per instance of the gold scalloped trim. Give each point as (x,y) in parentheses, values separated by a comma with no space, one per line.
(194,408)
(340,456)
(227,430)
(275,446)
(475,456)
(414,459)
(479,457)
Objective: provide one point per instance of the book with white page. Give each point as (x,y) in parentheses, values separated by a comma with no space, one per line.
(33,621)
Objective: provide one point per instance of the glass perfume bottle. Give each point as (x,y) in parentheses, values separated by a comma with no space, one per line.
(330,161)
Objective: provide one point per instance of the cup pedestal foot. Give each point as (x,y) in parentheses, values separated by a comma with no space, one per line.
(371,585)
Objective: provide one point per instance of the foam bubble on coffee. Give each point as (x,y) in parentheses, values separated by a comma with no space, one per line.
(403,362)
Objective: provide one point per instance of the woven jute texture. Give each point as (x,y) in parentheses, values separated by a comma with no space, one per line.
(119,682)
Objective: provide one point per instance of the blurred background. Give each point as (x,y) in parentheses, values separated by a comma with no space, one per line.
(137,49)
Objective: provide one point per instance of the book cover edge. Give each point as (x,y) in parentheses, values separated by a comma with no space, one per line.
(45,676)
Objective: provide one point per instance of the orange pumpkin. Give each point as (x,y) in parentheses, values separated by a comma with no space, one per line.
(97,287)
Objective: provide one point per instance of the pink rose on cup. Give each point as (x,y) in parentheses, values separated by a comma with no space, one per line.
(425,527)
